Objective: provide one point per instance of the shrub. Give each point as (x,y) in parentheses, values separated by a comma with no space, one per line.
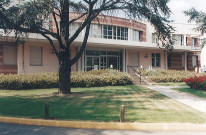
(167,76)
(196,82)
(93,78)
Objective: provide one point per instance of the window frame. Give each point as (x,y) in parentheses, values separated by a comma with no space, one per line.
(115,32)
(155,59)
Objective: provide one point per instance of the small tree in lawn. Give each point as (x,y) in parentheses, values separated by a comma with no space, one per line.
(32,17)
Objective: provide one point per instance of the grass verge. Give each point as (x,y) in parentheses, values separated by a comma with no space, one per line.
(98,104)
(198,93)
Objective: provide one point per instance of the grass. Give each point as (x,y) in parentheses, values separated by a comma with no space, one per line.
(172,84)
(98,104)
(198,93)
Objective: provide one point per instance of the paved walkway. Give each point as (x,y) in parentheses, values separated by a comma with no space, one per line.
(187,99)
(15,129)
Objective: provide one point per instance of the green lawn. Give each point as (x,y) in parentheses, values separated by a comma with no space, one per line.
(199,93)
(98,104)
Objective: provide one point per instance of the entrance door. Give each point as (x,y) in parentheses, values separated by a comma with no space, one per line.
(112,60)
(103,62)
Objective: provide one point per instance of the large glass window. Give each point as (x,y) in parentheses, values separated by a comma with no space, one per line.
(195,42)
(114,32)
(178,39)
(156,59)
(137,35)
(102,60)
(107,31)
(9,55)
(95,31)
(154,38)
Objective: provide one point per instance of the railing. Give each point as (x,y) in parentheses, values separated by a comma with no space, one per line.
(135,71)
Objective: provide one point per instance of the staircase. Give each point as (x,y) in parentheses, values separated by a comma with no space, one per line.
(137,78)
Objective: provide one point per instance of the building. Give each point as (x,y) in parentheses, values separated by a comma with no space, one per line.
(114,41)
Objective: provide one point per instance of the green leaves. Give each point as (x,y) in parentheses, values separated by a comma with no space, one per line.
(198,17)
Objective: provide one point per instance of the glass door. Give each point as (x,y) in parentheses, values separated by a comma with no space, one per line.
(103,62)
(113,61)
(92,62)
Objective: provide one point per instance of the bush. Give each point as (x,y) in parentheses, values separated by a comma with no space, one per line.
(167,76)
(93,78)
(196,82)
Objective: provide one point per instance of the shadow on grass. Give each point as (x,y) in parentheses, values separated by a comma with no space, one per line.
(91,104)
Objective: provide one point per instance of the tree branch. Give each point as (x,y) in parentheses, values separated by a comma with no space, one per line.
(52,44)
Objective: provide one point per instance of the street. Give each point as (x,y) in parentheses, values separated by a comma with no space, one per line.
(16,129)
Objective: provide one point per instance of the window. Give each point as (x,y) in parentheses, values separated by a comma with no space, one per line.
(95,31)
(178,39)
(195,42)
(154,38)
(113,32)
(156,59)
(194,61)
(35,56)
(107,31)
(9,55)
(137,35)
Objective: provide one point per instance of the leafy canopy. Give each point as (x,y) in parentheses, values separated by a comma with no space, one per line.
(35,16)
(199,18)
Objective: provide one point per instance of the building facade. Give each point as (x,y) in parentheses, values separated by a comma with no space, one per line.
(113,42)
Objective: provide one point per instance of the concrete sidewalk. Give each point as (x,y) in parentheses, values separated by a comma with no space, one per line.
(15,129)
(187,99)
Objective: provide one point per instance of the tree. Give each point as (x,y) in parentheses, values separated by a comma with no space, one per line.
(199,18)
(32,17)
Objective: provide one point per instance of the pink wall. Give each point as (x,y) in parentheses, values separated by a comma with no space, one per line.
(49,60)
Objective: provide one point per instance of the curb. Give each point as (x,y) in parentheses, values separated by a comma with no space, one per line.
(108,125)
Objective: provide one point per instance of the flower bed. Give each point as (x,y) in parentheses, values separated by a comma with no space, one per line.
(196,82)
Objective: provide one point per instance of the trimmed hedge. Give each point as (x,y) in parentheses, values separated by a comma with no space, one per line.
(196,82)
(95,78)
(167,76)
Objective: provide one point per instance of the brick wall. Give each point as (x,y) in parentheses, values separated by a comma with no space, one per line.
(176,61)
(6,69)
(108,20)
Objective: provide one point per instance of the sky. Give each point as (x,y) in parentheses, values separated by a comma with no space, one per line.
(178,6)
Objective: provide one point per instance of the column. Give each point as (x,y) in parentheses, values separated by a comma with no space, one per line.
(79,61)
(126,60)
(185,41)
(82,62)
(185,61)
(123,62)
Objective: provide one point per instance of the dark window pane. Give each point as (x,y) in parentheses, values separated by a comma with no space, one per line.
(110,28)
(153,62)
(89,61)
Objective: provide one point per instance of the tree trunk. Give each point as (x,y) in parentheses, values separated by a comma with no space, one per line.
(64,77)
